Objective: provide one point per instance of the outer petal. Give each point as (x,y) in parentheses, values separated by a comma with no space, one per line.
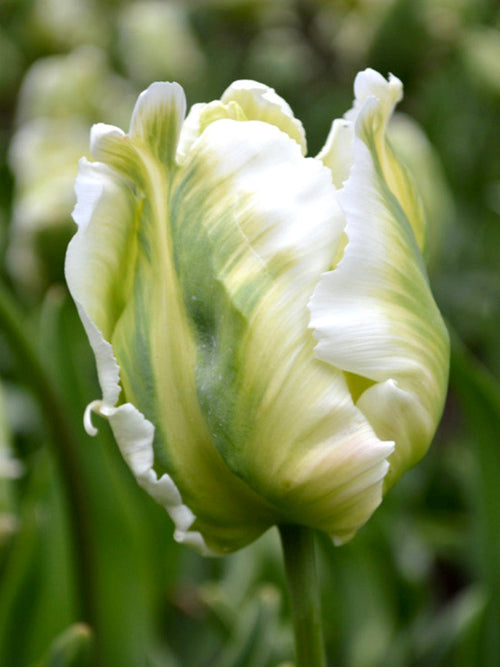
(157,120)
(121,272)
(267,221)
(98,253)
(374,315)
(368,85)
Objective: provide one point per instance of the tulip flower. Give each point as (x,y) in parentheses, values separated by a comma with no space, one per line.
(266,340)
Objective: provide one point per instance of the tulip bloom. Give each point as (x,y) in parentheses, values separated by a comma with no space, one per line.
(267,344)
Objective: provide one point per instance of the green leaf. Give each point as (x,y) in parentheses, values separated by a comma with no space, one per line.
(479,395)
(70,649)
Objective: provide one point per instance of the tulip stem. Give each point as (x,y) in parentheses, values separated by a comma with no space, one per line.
(300,568)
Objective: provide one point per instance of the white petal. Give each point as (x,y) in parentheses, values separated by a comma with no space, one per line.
(374,315)
(157,119)
(370,84)
(336,154)
(293,434)
(190,132)
(101,132)
(371,87)
(259,102)
(134,435)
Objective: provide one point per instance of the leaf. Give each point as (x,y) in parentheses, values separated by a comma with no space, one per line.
(71,648)
(479,395)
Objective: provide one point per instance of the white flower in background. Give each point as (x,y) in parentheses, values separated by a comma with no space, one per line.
(65,24)
(60,96)
(267,344)
(156,41)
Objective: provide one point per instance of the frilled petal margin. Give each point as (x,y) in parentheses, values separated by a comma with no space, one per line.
(135,434)
(374,315)
(98,191)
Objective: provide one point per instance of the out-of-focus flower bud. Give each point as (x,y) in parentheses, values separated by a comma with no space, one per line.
(156,41)
(59,98)
(480,50)
(267,344)
(65,24)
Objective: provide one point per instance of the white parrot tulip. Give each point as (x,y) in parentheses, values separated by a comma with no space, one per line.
(267,344)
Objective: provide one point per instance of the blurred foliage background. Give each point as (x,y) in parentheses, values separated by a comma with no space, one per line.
(89,573)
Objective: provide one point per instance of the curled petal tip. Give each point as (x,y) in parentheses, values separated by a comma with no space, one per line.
(94,406)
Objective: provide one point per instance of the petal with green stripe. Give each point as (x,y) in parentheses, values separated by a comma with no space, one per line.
(374,315)
(372,85)
(120,270)
(268,222)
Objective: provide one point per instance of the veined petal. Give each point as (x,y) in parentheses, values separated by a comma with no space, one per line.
(372,85)
(92,260)
(268,221)
(374,315)
(259,102)
(134,435)
(122,273)
(97,254)
(157,120)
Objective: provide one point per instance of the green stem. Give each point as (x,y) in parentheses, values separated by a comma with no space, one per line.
(300,567)
(63,441)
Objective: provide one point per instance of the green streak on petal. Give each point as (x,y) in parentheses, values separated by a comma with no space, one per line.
(157,120)
(222,279)
(393,173)
(282,421)
(159,359)
(374,315)
(115,149)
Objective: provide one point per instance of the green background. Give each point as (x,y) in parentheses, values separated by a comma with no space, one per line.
(89,572)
